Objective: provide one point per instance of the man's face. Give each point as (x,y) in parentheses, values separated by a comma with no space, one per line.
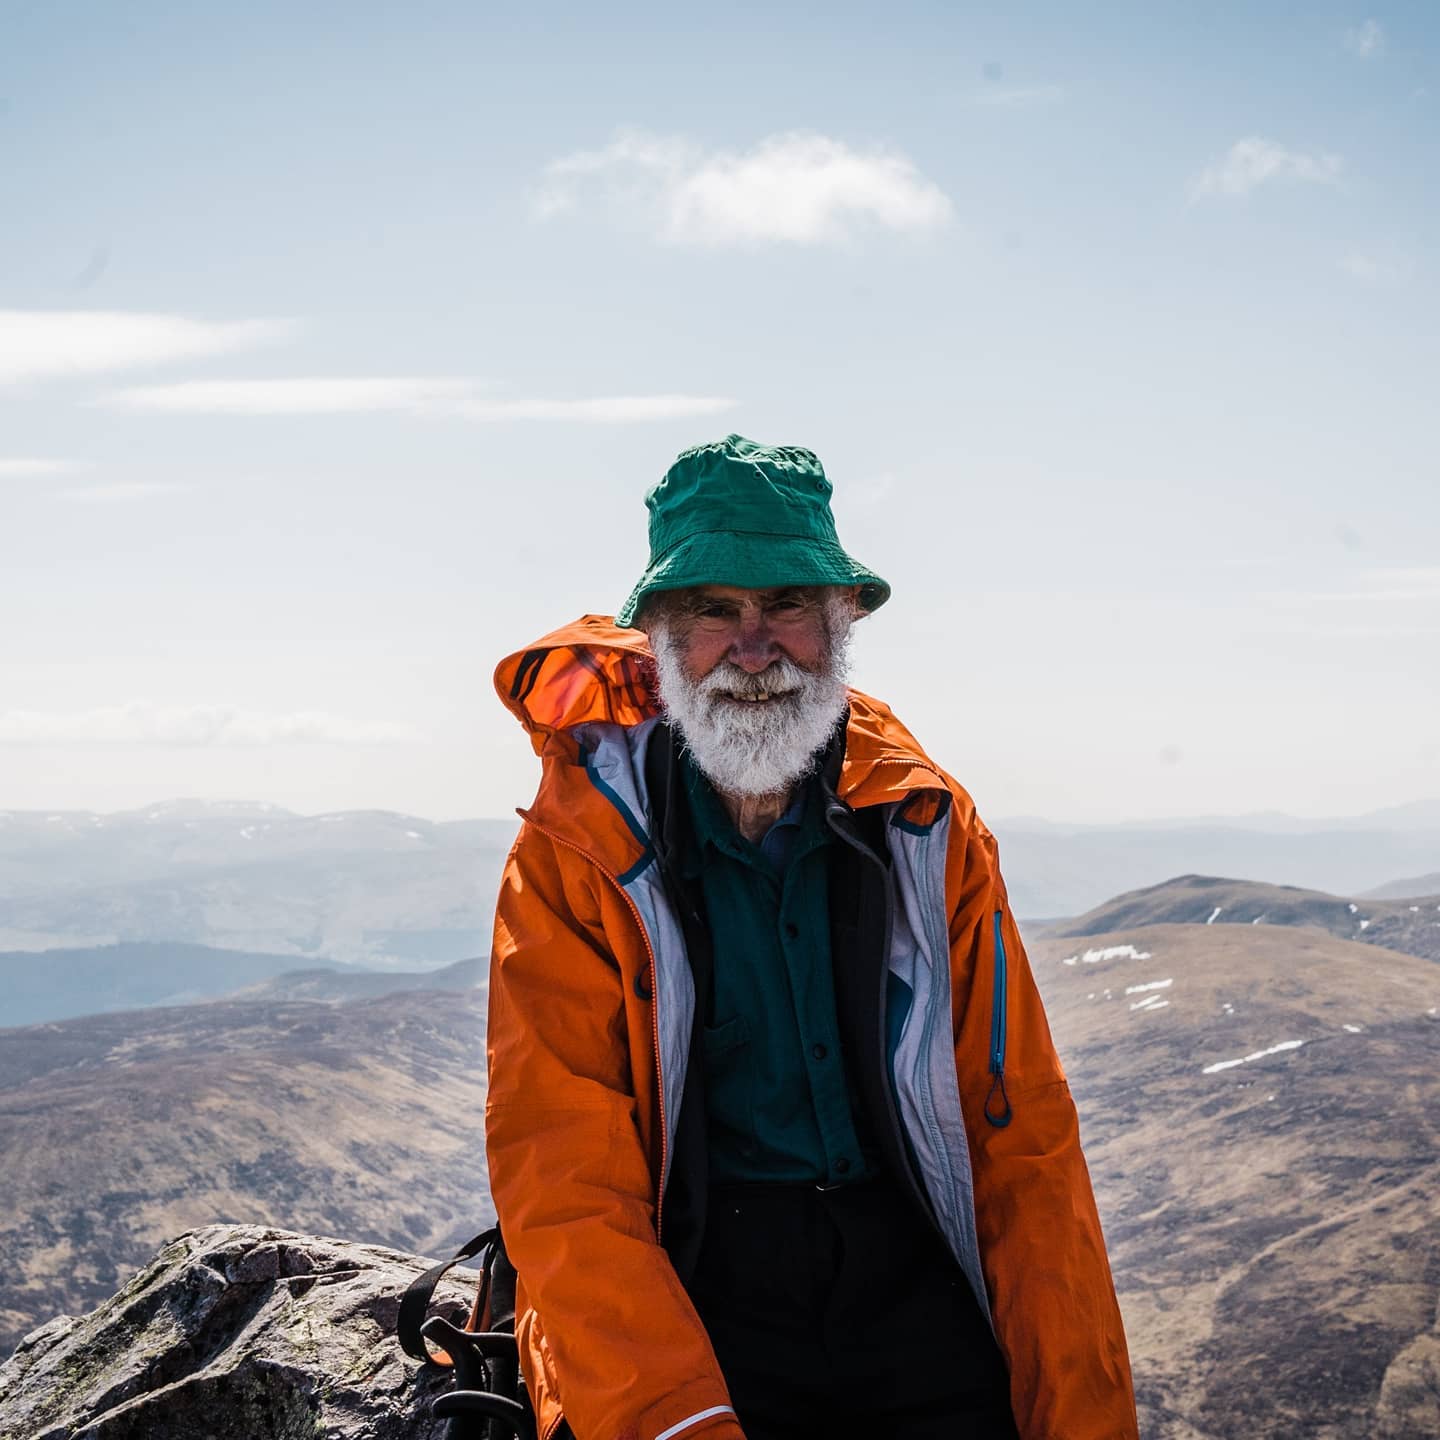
(751,629)
(754,680)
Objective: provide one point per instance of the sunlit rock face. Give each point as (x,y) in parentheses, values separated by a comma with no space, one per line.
(234,1332)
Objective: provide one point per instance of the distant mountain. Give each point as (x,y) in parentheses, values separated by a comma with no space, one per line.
(58,984)
(1066,870)
(367,886)
(386,890)
(1412,927)
(1414,815)
(1259,1105)
(119,1131)
(332,986)
(1417,815)
(1420,885)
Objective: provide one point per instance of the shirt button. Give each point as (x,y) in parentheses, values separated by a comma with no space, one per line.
(842,1166)
(792,930)
(819,1051)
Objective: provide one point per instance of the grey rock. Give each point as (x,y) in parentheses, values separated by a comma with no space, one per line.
(235,1332)
(1410,1396)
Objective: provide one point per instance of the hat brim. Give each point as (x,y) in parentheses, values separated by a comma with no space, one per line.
(753,562)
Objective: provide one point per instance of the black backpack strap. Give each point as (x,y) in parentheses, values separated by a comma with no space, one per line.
(416,1299)
(503,1363)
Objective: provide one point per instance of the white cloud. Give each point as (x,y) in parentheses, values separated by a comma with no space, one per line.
(122,490)
(140,723)
(1367,41)
(871,491)
(432,396)
(604,410)
(48,344)
(1369,270)
(1399,582)
(797,188)
(1019,97)
(1253,161)
(22,465)
(1362,267)
(1376,583)
(341,396)
(1393,600)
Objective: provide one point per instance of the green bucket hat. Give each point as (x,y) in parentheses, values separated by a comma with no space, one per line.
(736,513)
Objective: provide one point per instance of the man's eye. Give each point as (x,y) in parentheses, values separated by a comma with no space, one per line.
(791,605)
(713,612)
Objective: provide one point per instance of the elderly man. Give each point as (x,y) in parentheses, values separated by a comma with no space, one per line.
(777,1134)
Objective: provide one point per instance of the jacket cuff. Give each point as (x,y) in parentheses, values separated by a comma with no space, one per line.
(690,1417)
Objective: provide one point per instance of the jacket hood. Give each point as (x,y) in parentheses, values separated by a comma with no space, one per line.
(587,670)
(593,670)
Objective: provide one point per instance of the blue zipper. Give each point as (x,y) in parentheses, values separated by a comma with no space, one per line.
(997,1011)
(997,1033)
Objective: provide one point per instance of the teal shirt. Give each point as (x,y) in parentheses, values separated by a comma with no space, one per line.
(779,1106)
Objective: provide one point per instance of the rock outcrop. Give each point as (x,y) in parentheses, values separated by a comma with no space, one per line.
(1410,1396)
(235,1332)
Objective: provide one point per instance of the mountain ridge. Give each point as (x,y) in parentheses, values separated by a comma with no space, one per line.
(1409,926)
(61,984)
(1416,887)
(1413,814)
(385,889)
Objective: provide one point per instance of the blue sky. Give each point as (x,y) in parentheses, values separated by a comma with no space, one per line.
(338,345)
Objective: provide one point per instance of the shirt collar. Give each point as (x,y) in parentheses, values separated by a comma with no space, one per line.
(714,827)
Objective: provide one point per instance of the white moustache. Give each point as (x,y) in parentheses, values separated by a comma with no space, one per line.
(779,680)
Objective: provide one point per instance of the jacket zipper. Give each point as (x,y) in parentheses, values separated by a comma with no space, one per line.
(933,1017)
(912,1180)
(998,1031)
(654,1006)
(997,1013)
(998,1009)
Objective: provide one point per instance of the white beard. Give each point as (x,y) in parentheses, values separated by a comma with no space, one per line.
(753,748)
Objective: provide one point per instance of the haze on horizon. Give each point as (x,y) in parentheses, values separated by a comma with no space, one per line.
(337,350)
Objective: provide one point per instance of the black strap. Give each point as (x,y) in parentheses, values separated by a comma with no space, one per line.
(416,1299)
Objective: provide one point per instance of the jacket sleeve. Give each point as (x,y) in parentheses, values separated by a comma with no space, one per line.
(570,1173)
(1041,1245)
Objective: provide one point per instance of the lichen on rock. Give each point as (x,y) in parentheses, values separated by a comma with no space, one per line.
(234,1332)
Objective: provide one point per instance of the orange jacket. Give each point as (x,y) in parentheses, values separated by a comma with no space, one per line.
(590,1012)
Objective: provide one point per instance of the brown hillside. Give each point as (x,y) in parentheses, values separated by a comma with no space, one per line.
(1272,1212)
(118,1132)
(1273,1223)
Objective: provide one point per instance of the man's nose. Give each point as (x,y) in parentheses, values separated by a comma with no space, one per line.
(754,648)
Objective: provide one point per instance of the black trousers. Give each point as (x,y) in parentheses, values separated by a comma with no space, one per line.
(840,1313)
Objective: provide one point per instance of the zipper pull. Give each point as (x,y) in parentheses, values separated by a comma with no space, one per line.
(1001,1120)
